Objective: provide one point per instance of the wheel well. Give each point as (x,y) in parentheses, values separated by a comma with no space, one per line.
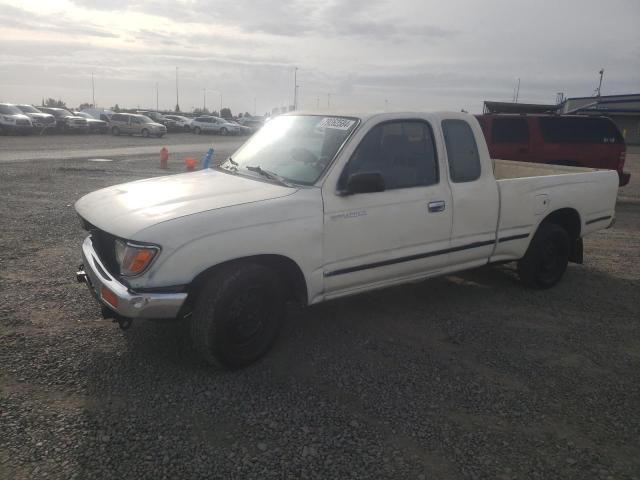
(569,219)
(287,269)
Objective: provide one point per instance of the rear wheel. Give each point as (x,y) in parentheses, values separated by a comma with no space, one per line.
(547,257)
(145,133)
(224,131)
(197,130)
(115,131)
(237,315)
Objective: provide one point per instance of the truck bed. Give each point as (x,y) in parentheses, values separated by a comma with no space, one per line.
(539,189)
(505,169)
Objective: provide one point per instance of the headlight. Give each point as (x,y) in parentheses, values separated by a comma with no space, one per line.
(134,259)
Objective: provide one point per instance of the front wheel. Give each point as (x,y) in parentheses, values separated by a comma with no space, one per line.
(145,133)
(224,131)
(547,257)
(237,315)
(115,131)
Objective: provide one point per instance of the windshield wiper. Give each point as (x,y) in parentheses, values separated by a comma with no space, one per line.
(268,174)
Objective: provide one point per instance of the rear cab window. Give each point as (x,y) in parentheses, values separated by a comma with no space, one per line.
(462,151)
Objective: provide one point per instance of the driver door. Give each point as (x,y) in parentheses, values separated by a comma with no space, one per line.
(377,238)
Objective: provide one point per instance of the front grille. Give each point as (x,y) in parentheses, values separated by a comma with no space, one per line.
(104,245)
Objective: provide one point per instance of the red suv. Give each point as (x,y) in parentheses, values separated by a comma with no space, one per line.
(581,141)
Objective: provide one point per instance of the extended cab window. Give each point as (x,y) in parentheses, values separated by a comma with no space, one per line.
(462,151)
(510,130)
(402,152)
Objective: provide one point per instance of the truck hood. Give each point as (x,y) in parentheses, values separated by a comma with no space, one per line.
(125,209)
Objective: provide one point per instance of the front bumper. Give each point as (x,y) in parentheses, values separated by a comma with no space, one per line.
(121,299)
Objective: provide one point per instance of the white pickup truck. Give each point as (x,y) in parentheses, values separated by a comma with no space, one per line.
(315,207)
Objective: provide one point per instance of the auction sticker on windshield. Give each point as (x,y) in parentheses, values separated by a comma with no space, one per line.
(338,123)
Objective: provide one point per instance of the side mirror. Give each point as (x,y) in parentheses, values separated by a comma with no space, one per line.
(364,182)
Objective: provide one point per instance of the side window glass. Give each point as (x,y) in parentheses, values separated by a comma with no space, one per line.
(510,130)
(403,152)
(462,151)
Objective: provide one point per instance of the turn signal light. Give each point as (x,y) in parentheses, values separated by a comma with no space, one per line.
(109,297)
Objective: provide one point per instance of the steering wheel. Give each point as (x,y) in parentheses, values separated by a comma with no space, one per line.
(303,155)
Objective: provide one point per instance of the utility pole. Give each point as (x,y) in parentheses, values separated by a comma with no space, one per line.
(295,88)
(204,100)
(328,101)
(157,109)
(601,72)
(177,99)
(93,91)
(220,111)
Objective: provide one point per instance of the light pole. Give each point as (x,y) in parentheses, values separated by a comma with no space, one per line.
(204,100)
(328,101)
(157,109)
(93,91)
(177,99)
(295,88)
(601,72)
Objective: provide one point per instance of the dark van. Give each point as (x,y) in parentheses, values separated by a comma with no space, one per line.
(581,141)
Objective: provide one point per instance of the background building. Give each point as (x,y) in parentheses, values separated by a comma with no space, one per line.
(624,110)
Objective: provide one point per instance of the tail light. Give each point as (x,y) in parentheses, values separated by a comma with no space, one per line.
(621,160)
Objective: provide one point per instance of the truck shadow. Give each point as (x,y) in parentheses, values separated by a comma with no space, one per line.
(452,356)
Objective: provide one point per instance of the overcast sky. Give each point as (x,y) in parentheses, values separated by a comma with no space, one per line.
(413,54)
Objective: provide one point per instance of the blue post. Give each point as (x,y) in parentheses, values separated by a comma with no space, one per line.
(206,160)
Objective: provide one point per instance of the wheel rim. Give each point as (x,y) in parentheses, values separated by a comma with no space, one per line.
(145,133)
(246,315)
(223,131)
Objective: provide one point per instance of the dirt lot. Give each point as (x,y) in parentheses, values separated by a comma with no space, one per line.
(468,376)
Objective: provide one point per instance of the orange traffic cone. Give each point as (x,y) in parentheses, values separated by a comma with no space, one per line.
(190,163)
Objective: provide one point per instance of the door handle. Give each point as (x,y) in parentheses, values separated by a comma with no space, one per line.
(437,206)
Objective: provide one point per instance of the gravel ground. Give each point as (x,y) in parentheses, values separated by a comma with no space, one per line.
(468,376)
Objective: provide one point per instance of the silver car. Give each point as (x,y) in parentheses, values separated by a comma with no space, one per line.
(210,124)
(12,120)
(39,119)
(181,122)
(133,124)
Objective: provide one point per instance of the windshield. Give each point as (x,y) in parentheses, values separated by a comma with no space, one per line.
(10,110)
(28,109)
(145,119)
(83,114)
(298,148)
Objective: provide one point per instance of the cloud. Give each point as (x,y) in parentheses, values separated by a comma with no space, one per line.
(21,19)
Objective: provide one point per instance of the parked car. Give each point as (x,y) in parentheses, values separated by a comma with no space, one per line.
(12,120)
(157,117)
(254,124)
(67,121)
(183,123)
(40,120)
(208,124)
(135,124)
(593,142)
(312,208)
(100,113)
(95,125)
(242,130)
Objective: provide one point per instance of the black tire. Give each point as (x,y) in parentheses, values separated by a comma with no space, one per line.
(115,131)
(197,131)
(237,315)
(547,257)
(145,133)
(224,131)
